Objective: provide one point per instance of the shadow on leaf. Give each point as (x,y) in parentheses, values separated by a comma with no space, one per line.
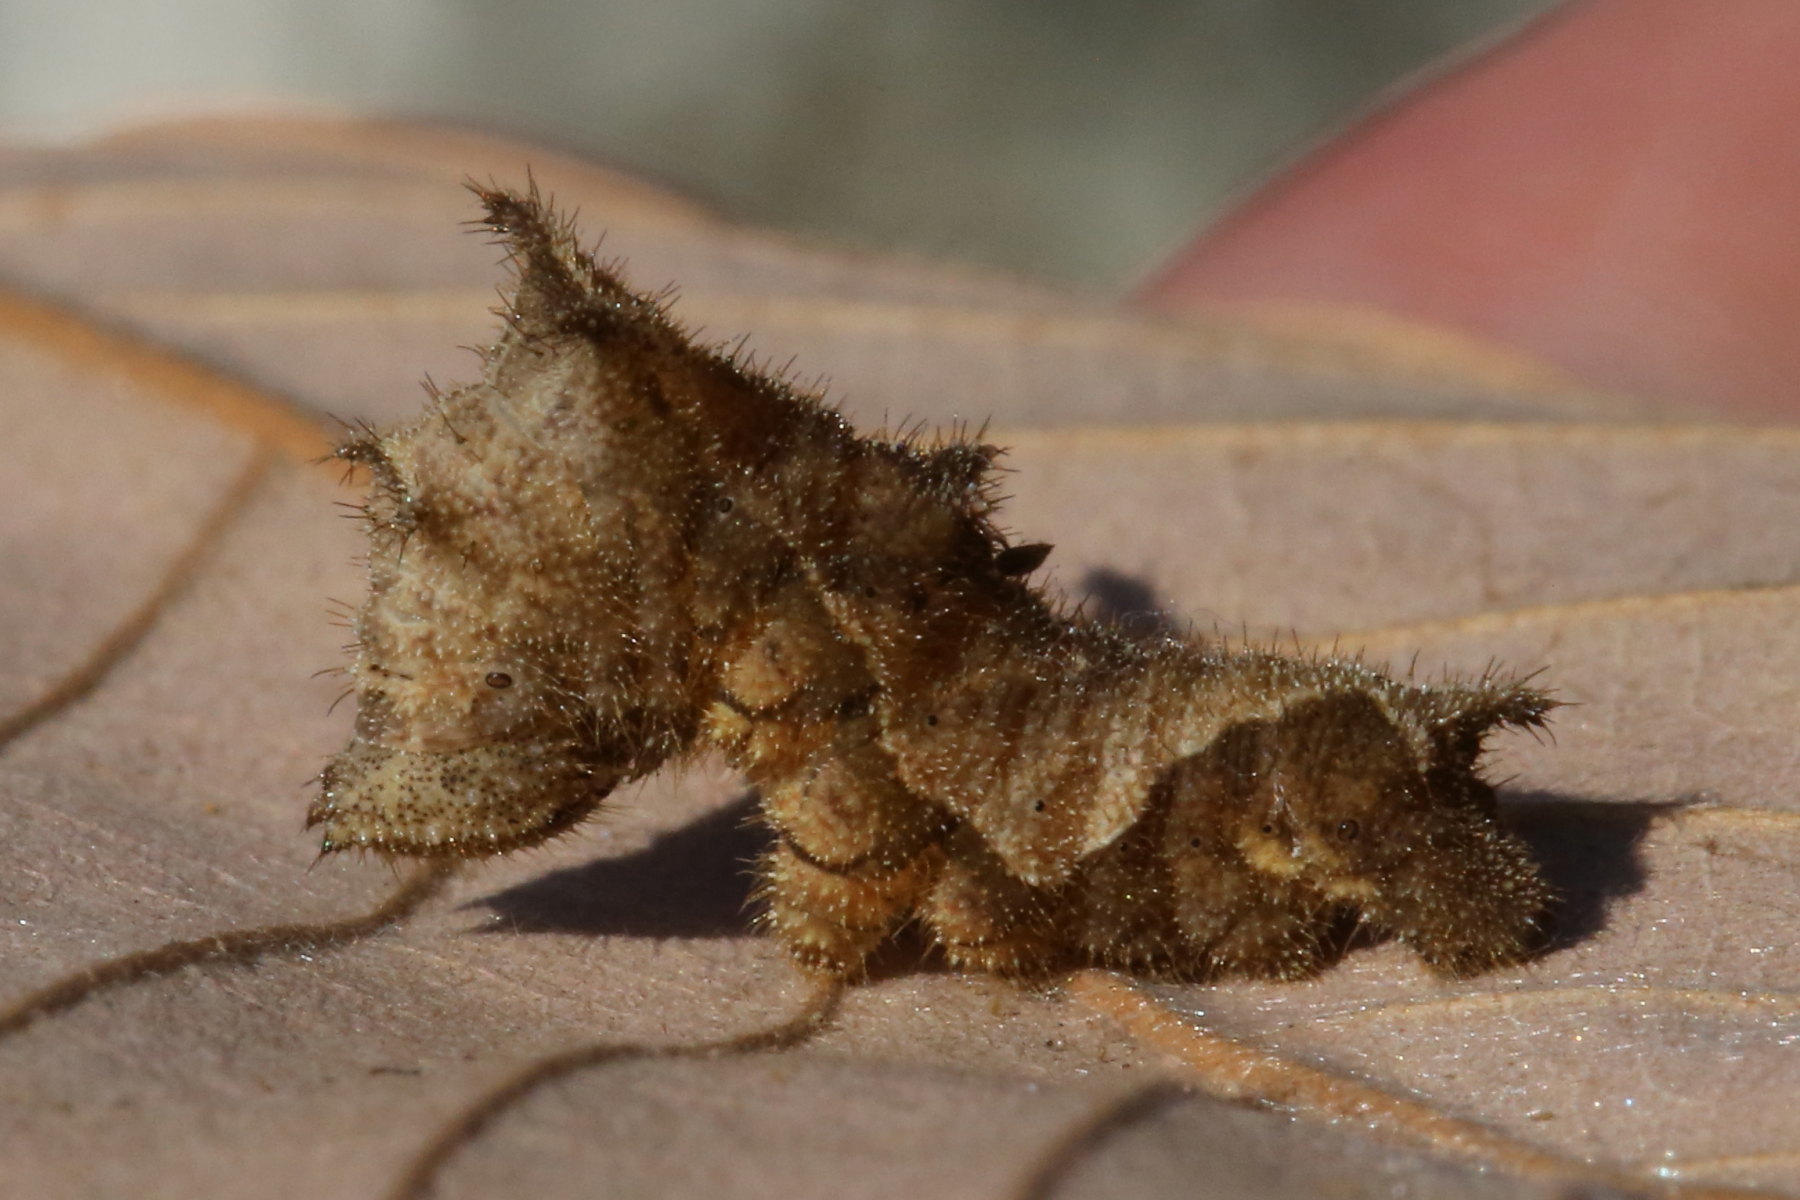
(1591,853)
(1114,597)
(690,882)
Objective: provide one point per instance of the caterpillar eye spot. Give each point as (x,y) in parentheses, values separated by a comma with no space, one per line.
(1193,843)
(499,679)
(1038,807)
(724,504)
(931,719)
(1268,827)
(1348,830)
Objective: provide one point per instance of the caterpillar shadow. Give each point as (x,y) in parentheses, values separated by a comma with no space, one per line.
(1591,852)
(691,882)
(1118,598)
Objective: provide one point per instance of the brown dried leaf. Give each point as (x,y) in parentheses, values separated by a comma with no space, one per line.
(1651,569)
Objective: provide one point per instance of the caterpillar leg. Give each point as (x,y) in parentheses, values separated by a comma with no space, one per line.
(1122,907)
(985,919)
(855,847)
(1269,941)
(1235,920)
(842,805)
(831,920)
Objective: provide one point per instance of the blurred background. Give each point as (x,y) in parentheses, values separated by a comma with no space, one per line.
(1076,142)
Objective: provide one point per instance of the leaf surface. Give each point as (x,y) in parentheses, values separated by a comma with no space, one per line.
(169,554)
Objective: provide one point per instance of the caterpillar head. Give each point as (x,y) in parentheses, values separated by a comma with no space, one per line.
(459,758)
(500,654)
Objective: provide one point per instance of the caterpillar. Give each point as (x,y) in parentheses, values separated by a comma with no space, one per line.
(618,548)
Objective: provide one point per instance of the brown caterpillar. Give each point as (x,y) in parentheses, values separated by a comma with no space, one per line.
(618,547)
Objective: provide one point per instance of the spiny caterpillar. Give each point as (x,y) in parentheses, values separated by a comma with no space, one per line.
(619,548)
